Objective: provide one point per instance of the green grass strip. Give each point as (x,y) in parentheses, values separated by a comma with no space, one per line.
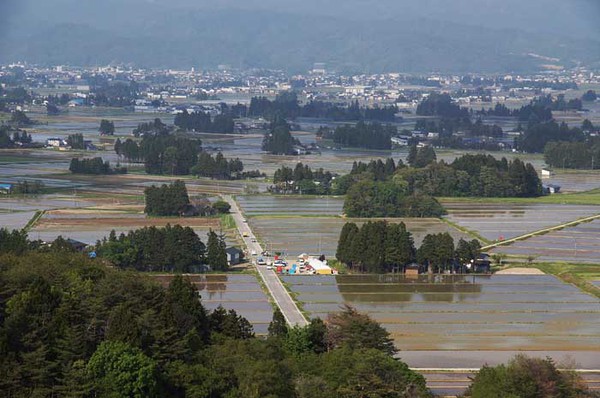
(36,217)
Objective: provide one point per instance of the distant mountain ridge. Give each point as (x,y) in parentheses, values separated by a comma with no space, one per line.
(182,37)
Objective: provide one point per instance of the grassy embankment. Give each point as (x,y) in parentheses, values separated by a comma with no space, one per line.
(579,198)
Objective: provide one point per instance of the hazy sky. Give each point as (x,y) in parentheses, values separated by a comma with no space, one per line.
(571,17)
(366,34)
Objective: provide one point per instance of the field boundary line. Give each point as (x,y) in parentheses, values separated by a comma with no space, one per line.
(464,370)
(465,230)
(542,231)
(36,217)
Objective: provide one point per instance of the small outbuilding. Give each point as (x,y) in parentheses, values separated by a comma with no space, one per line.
(234,255)
(551,188)
(413,269)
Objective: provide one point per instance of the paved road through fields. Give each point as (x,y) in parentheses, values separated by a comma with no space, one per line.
(281,296)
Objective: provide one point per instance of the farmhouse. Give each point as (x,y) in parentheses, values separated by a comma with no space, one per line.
(77,245)
(400,141)
(5,188)
(55,142)
(482,264)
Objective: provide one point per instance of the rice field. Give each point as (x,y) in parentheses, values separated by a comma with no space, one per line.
(577,244)
(456,312)
(241,293)
(320,235)
(91,225)
(15,220)
(44,202)
(499,221)
(290,205)
(575,180)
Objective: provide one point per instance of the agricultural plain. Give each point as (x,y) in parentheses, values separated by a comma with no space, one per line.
(504,220)
(470,313)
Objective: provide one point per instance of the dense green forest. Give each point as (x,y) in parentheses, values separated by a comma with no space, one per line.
(380,247)
(387,189)
(202,122)
(473,175)
(278,140)
(94,166)
(420,157)
(573,155)
(537,126)
(166,200)
(169,249)
(11,137)
(286,105)
(72,327)
(302,179)
(528,378)
(161,151)
(218,167)
(105,92)
(76,141)
(537,135)
(362,135)
(367,198)
(107,127)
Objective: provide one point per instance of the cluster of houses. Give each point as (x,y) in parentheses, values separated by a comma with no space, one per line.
(62,145)
(422,138)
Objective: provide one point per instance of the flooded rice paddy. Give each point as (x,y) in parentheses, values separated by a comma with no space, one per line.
(15,220)
(579,244)
(43,202)
(241,293)
(320,235)
(455,312)
(90,225)
(290,205)
(495,221)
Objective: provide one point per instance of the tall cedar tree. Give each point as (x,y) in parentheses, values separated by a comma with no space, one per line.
(351,329)
(107,127)
(216,256)
(167,200)
(344,248)
(278,326)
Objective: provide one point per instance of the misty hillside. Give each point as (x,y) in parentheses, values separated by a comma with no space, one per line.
(352,36)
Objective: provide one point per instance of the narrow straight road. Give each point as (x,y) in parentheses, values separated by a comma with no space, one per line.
(282,298)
